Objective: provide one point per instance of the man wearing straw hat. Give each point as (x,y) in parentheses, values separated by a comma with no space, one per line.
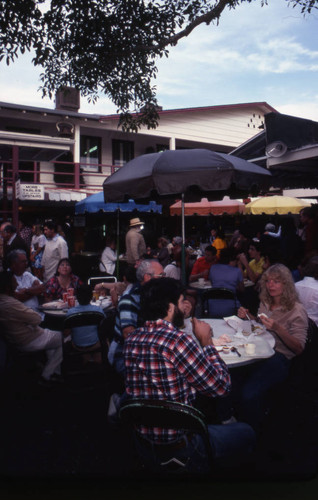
(135,243)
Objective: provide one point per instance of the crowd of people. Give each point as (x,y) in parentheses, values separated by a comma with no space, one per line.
(273,275)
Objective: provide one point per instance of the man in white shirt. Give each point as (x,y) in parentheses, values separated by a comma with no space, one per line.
(109,257)
(307,289)
(55,250)
(28,286)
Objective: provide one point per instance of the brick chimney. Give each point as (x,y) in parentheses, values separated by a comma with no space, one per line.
(67,98)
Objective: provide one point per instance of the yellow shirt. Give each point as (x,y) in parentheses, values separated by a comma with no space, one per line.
(219,244)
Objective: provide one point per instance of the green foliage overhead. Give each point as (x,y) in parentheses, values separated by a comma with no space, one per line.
(108,47)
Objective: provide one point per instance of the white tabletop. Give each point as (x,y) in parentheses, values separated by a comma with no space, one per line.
(264,343)
(201,286)
(62,308)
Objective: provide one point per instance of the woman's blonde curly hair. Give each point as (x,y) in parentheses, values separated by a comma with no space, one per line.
(289,296)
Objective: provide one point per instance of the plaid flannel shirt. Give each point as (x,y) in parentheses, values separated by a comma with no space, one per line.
(165,363)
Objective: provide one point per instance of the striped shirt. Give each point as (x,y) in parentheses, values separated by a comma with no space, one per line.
(165,363)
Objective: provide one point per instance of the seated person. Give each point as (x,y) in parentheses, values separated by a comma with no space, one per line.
(202,265)
(61,282)
(173,270)
(20,326)
(115,290)
(85,338)
(177,370)
(27,287)
(252,269)
(225,274)
(286,319)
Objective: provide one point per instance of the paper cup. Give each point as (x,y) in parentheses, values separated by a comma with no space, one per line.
(250,349)
(70,291)
(71,301)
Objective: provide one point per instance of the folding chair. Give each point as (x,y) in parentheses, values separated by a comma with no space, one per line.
(169,415)
(74,358)
(228,298)
(95,280)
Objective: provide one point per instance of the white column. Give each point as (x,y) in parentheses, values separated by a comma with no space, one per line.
(76,147)
(172,143)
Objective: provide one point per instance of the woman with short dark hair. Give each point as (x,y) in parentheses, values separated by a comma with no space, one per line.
(61,282)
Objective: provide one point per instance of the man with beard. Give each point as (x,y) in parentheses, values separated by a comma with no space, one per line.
(164,363)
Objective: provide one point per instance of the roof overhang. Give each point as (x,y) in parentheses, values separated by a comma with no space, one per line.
(33,147)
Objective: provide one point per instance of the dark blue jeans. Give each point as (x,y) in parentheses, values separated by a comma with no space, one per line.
(231,445)
(261,377)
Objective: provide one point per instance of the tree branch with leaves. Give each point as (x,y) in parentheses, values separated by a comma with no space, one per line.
(109,47)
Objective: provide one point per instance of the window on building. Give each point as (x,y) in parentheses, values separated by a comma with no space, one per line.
(90,152)
(123,151)
(162,147)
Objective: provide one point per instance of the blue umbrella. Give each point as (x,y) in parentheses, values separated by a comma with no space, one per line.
(95,203)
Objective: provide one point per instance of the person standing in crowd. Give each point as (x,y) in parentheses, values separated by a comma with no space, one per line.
(37,248)
(309,229)
(109,257)
(135,242)
(55,250)
(307,289)
(25,231)
(12,241)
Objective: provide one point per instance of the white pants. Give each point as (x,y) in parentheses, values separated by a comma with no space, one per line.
(51,342)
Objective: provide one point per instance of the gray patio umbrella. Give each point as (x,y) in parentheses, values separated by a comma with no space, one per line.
(189,173)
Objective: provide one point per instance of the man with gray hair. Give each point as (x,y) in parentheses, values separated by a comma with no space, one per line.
(128,312)
(307,289)
(28,286)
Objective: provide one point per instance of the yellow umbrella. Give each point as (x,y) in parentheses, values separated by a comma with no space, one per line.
(276,205)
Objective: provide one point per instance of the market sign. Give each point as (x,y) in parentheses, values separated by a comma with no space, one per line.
(31,192)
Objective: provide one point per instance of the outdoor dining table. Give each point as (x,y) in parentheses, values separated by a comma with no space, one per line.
(264,342)
(55,312)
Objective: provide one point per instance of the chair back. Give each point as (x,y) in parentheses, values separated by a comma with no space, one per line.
(86,318)
(95,280)
(228,297)
(166,414)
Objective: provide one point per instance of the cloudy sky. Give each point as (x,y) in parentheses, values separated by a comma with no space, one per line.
(255,54)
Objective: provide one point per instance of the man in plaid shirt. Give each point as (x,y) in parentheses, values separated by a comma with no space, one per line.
(165,363)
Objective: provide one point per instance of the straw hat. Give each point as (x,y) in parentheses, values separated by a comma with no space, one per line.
(135,222)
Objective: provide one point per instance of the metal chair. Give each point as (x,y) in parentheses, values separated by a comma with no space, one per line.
(224,294)
(95,280)
(169,415)
(74,358)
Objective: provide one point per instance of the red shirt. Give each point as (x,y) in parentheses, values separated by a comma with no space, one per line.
(200,266)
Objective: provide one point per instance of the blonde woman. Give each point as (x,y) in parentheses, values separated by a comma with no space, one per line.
(286,319)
